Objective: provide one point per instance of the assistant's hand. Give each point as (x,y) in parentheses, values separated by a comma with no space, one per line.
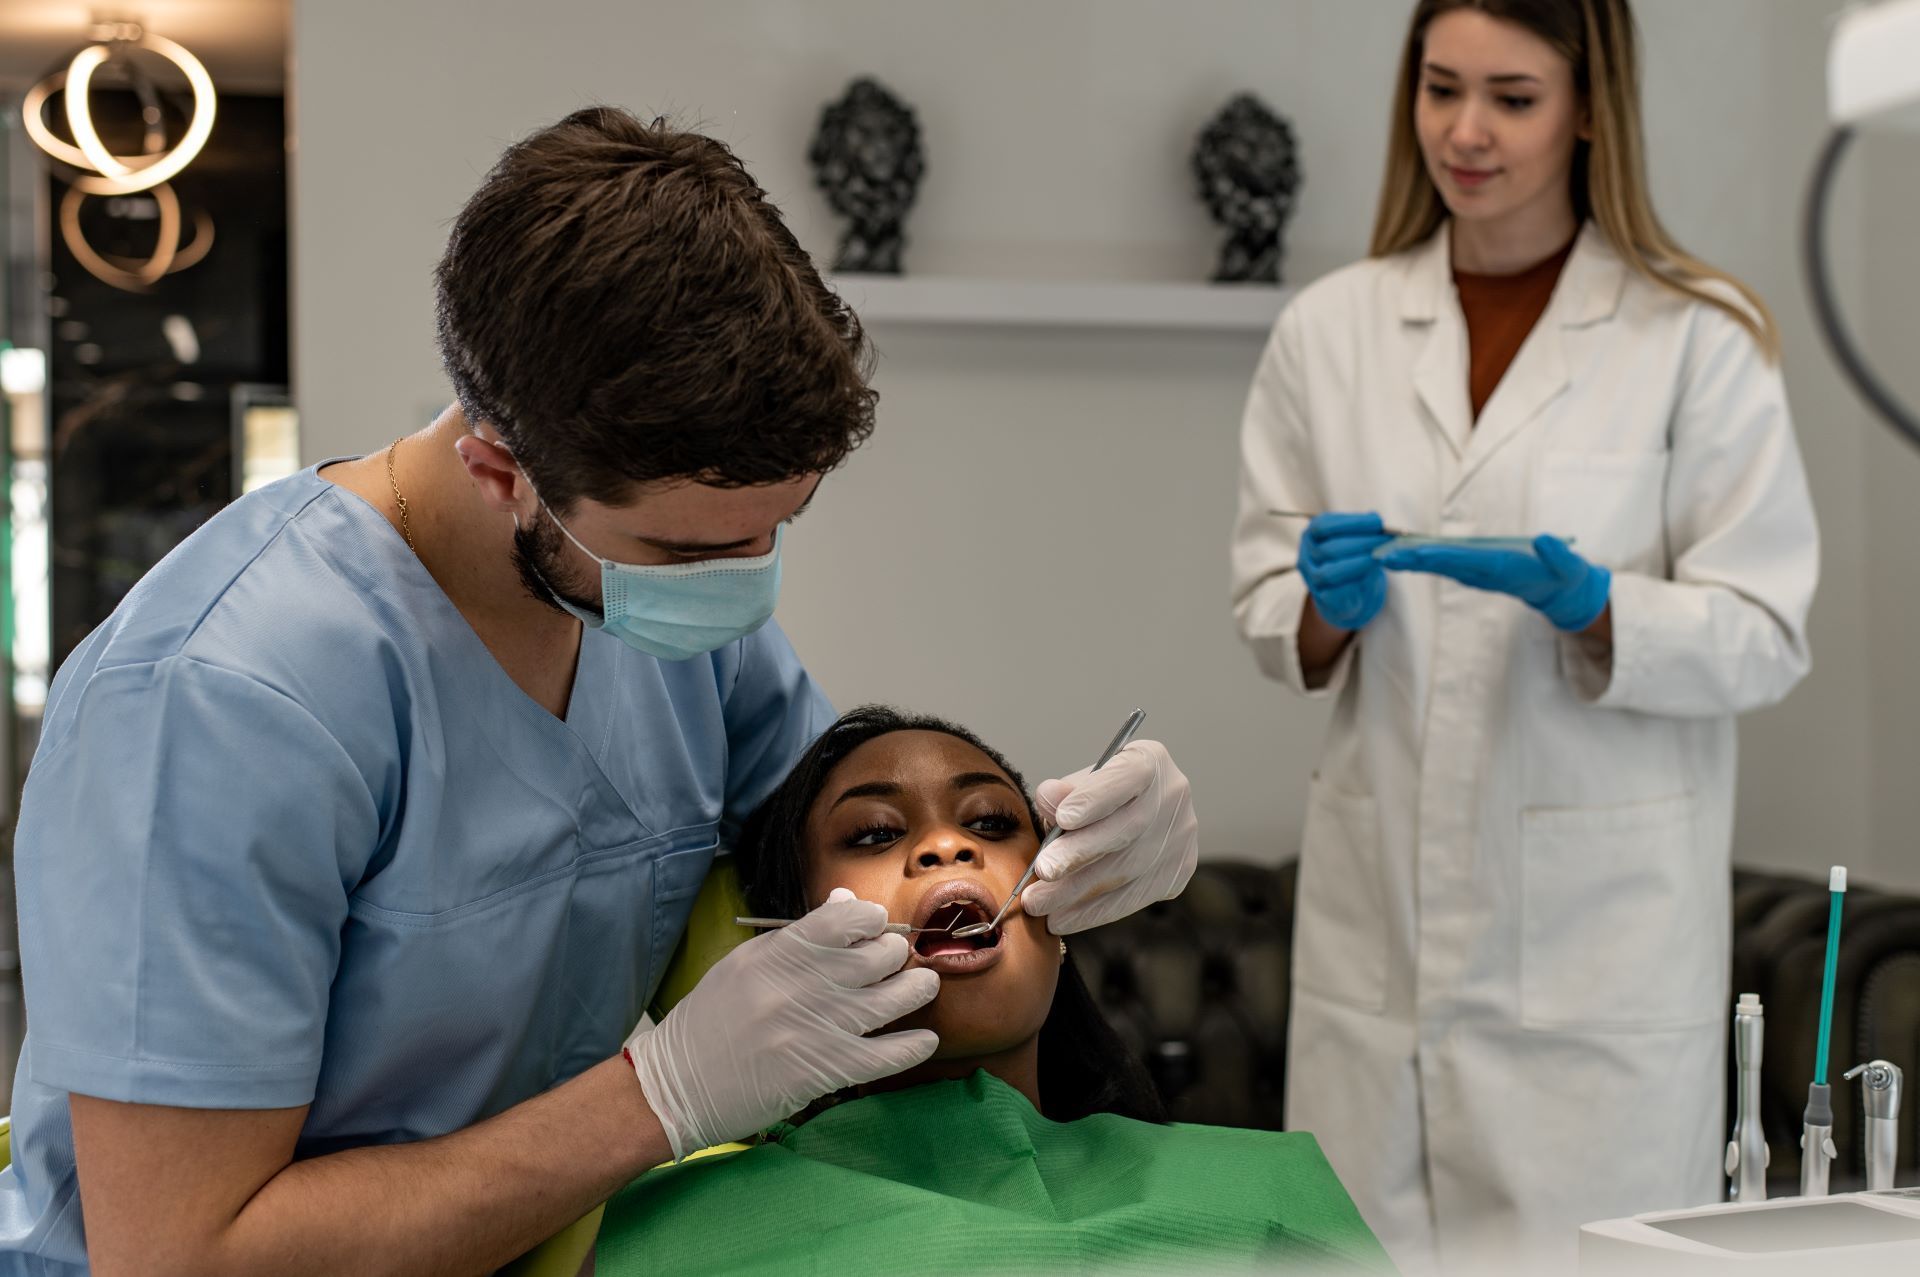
(779,1022)
(1568,590)
(1348,585)
(1129,837)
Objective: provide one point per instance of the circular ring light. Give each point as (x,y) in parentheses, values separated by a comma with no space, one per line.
(188,254)
(33,116)
(119,175)
(132,276)
(31,113)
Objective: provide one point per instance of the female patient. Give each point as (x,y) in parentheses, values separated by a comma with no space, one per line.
(1033,1139)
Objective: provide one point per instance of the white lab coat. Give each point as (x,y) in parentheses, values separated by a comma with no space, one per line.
(1510,1000)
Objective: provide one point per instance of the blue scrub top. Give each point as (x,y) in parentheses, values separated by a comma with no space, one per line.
(292,836)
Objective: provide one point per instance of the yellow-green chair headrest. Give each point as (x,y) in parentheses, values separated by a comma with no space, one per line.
(710,936)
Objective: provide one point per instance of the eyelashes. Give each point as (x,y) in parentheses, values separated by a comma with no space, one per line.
(873,834)
(1443,92)
(999,823)
(878,835)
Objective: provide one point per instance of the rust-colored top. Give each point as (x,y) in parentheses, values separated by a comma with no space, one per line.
(1500,311)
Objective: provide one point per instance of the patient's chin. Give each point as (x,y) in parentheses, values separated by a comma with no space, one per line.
(965,1038)
(978,1017)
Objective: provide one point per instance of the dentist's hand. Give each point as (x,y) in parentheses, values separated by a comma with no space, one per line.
(1348,585)
(1129,838)
(1562,586)
(780,1022)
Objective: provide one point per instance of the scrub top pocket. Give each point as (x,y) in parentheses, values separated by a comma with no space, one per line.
(442,983)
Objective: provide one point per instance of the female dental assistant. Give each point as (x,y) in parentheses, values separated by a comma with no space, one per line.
(359,835)
(1510,968)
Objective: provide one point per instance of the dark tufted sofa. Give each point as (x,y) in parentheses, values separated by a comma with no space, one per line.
(1199,986)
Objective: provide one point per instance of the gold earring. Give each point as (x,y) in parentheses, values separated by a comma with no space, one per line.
(1063,948)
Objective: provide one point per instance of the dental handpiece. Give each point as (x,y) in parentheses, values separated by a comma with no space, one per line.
(1880,1102)
(1747,1152)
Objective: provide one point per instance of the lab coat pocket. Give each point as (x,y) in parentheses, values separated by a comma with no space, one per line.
(1616,919)
(1340,933)
(1611,506)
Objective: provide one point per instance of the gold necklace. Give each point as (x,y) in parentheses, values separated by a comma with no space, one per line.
(406,529)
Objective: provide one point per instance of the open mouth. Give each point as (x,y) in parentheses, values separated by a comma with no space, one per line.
(938,941)
(950,905)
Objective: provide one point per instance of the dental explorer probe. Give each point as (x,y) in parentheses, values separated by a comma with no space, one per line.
(1880,1098)
(891,929)
(1747,1152)
(1816,1125)
(1114,746)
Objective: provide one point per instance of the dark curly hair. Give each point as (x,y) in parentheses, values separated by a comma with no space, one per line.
(1084,1066)
(624,305)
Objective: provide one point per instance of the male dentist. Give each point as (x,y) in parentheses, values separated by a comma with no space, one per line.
(359,834)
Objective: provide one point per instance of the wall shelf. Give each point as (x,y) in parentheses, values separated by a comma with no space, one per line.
(1016,303)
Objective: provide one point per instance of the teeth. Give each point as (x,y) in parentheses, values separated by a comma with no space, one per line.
(955,913)
(950,917)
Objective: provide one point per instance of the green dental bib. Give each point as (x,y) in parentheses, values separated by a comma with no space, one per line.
(965,1177)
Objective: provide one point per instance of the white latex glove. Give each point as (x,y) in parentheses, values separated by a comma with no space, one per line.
(1130,839)
(778,1023)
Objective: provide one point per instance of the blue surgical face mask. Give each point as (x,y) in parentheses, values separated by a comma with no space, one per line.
(677,611)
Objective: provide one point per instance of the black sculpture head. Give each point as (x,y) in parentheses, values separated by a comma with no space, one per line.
(1248,173)
(866,157)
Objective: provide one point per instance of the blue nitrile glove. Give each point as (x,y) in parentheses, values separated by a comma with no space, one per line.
(1568,590)
(1336,561)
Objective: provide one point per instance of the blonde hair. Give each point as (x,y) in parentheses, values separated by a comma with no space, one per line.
(1609,173)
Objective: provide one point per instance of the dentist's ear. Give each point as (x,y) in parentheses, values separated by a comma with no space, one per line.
(496,476)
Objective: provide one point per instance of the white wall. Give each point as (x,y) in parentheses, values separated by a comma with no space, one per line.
(1035,539)
(1889,326)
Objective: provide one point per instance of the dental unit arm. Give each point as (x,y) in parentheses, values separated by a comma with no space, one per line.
(1873,80)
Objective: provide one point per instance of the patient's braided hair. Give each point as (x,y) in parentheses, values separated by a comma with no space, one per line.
(1085,1068)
